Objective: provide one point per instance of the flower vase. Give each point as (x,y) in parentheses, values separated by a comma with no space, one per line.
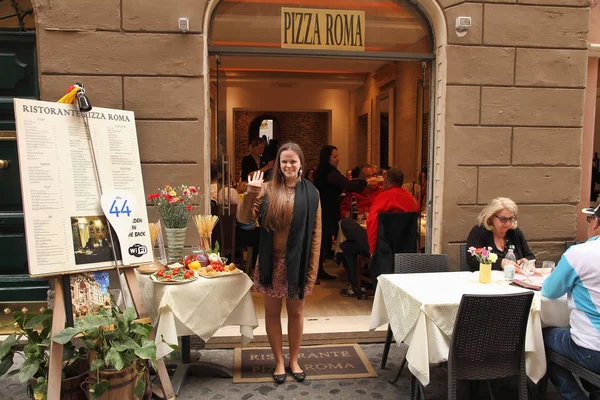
(175,243)
(485,273)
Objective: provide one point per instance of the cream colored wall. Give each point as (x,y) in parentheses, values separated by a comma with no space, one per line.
(364,101)
(404,85)
(408,73)
(261,98)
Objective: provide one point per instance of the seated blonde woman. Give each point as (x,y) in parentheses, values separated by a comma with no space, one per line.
(497,228)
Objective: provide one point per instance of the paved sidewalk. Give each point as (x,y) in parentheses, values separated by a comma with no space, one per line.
(196,388)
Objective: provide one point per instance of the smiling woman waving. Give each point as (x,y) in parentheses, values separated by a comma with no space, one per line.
(289,214)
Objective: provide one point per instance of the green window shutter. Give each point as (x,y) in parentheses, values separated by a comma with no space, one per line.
(19,78)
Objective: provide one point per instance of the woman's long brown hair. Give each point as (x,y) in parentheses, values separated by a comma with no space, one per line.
(277,217)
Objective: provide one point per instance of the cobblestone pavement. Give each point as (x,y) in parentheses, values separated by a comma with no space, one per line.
(196,388)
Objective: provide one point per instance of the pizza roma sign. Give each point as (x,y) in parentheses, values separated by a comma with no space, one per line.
(304,28)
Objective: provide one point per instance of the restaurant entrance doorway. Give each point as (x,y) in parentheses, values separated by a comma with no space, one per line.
(317,108)
(374,104)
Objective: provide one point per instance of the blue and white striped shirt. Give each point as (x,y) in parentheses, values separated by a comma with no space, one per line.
(578,274)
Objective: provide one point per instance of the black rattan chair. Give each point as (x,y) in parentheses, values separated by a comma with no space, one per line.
(488,341)
(574,368)
(571,243)
(396,233)
(464,265)
(412,263)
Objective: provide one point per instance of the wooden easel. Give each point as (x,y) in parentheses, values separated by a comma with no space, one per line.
(62,314)
(58,324)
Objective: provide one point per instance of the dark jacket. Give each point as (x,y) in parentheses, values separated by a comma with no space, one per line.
(481,237)
(397,233)
(330,184)
(249,165)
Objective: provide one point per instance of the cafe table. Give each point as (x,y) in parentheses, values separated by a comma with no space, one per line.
(197,308)
(422,308)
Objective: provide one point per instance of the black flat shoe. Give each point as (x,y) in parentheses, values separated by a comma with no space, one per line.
(299,377)
(279,379)
(317,282)
(324,276)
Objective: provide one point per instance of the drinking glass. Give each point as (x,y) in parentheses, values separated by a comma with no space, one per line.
(528,269)
(547,268)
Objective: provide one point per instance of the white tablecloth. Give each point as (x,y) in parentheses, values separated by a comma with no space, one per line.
(421,310)
(199,308)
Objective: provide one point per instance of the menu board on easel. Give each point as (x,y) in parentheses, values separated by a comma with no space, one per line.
(65,227)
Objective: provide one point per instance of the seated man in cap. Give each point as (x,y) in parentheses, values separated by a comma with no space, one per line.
(578,275)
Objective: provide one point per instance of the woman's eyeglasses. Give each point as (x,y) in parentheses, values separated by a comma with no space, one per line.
(505,220)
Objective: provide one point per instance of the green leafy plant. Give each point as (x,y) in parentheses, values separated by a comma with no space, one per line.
(114,340)
(31,341)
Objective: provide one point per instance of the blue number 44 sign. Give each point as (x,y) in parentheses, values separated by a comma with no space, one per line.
(123,209)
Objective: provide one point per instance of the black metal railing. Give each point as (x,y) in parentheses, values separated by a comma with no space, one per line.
(18,14)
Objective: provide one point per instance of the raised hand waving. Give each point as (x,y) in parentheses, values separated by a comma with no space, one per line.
(256,179)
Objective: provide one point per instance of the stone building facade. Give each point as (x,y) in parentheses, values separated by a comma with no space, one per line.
(509,99)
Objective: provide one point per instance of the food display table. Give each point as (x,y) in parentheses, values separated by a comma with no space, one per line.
(198,308)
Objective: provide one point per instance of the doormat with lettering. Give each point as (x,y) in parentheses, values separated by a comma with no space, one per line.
(336,361)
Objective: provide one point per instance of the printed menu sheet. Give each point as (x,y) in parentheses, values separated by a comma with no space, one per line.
(65,227)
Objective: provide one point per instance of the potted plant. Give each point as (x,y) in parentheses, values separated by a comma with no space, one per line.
(117,348)
(35,329)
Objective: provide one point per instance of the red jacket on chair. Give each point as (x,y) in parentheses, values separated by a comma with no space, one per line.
(395,199)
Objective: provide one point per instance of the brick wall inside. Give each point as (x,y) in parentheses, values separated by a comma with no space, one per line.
(308,129)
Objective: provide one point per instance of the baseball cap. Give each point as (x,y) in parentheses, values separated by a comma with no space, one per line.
(592,211)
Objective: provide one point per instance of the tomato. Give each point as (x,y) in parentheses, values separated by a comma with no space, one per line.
(186,276)
(168,276)
(160,273)
(176,271)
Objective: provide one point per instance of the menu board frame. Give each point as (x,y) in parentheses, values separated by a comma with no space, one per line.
(66,159)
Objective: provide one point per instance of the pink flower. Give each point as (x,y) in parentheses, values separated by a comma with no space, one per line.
(485,252)
(472,250)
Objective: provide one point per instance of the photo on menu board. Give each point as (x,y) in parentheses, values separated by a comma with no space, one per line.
(91,241)
(89,293)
